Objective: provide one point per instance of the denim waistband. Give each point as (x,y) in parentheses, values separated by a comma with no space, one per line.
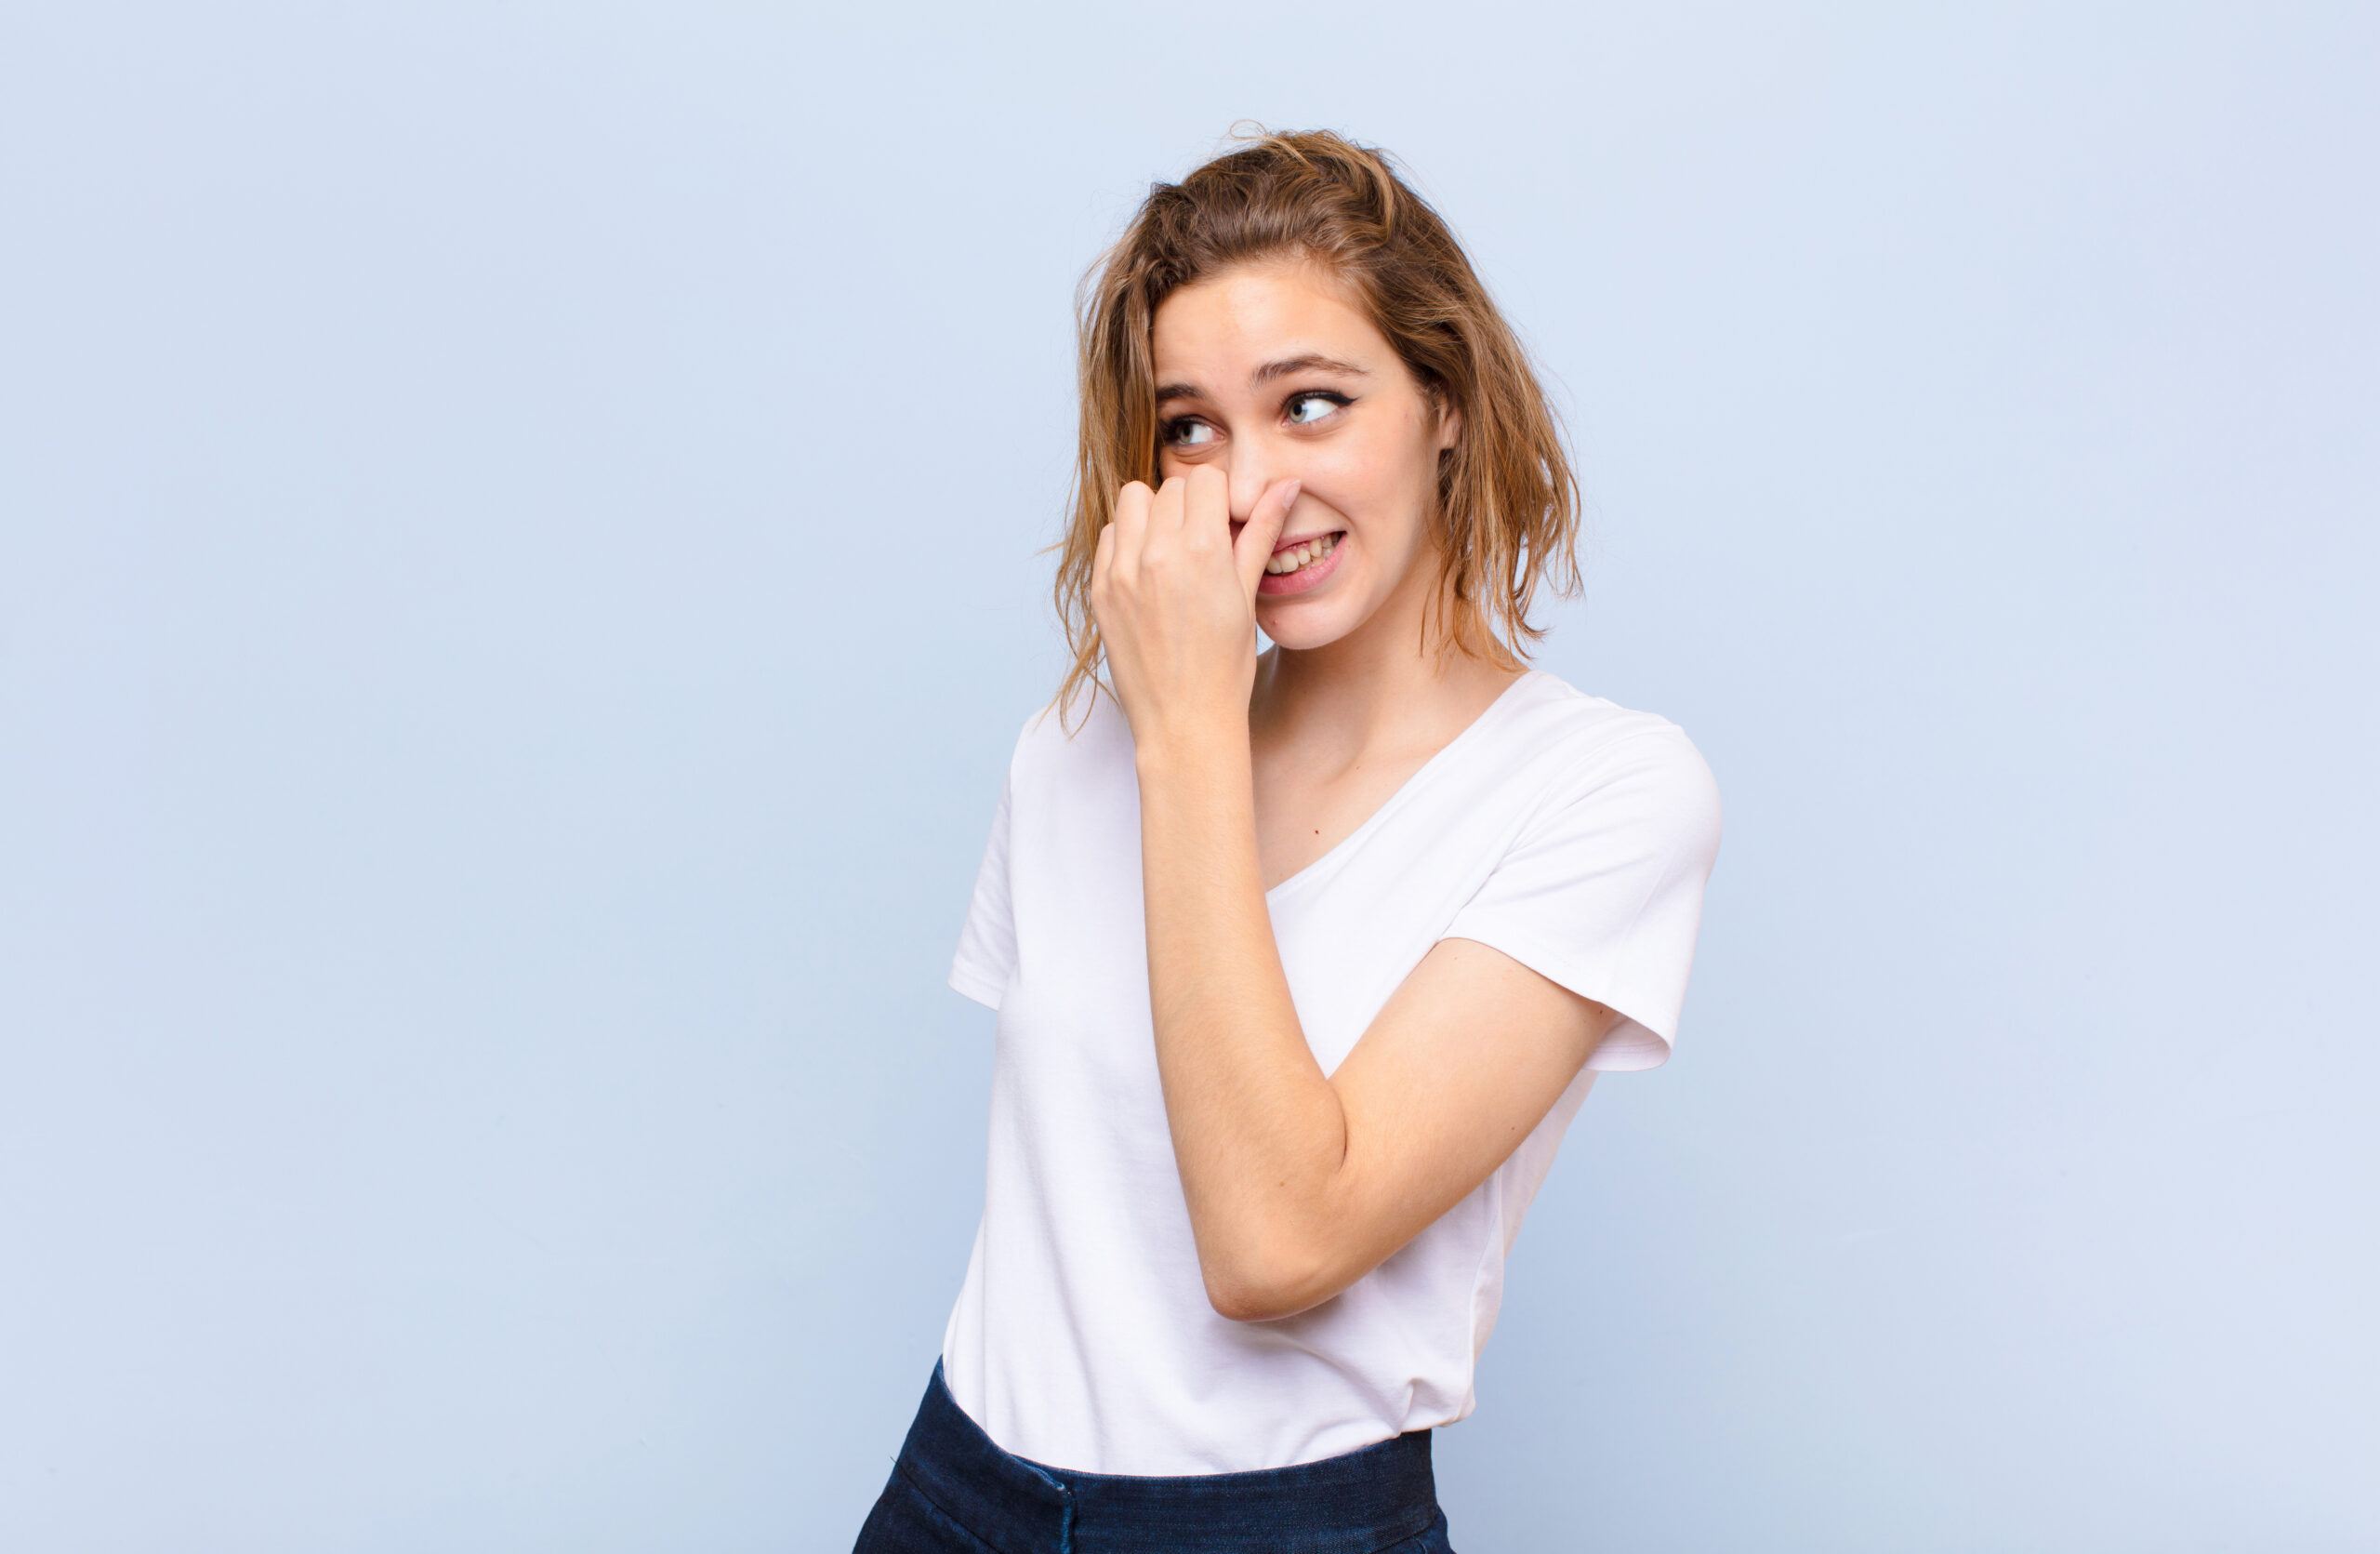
(1356,1503)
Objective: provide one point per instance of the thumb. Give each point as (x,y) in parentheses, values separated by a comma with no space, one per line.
(1254,546)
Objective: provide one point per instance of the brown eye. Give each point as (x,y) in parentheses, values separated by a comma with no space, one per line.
(1311,410)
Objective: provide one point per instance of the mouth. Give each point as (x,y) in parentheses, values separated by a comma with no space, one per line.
(1301,564)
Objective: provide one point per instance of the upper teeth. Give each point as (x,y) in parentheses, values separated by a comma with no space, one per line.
(1301,555)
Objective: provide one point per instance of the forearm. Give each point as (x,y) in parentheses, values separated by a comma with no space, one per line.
(1259,1130)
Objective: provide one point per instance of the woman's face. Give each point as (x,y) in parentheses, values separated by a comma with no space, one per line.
(1272,372)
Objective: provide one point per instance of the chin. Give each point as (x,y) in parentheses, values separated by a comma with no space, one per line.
(1300,629)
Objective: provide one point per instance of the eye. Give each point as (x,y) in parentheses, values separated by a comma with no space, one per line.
(1188,433)
(1314,406)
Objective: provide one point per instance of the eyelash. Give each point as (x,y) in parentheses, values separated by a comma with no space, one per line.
(1168,433)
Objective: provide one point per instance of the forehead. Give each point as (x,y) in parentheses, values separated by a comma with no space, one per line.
(1216,331)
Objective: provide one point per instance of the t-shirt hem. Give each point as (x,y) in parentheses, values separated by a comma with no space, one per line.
(1635,1041)
(977,985)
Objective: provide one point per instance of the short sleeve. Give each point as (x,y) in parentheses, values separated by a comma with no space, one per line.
(987,944)
(1602,890)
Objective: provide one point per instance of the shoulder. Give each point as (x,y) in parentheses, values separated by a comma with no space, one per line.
(1554,719)
(1590,751)
(1091,744)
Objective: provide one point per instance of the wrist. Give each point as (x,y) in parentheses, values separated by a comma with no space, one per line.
(1183,745)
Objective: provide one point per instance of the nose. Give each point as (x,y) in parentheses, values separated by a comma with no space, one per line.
(1251,469)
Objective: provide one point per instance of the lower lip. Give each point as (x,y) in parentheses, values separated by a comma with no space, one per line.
(1272,585)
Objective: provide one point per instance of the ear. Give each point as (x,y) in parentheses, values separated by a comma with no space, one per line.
(1449,426)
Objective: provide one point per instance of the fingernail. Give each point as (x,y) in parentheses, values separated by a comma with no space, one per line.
(1291,499)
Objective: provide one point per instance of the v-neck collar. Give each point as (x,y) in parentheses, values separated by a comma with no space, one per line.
(1411,785)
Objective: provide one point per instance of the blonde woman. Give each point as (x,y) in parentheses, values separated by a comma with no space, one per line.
(1304,959)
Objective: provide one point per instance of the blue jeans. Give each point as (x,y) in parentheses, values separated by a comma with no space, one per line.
(954,1492)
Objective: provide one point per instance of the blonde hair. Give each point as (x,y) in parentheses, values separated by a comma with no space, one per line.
(1506,518)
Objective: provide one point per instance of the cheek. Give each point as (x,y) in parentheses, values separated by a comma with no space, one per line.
(1378,483)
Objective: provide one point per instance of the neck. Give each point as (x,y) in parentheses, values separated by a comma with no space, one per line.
(1380,686)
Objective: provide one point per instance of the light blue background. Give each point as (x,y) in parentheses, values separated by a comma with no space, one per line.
(518,576)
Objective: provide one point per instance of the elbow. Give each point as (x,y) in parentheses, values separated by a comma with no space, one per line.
(1262,1288)
(1244,1302)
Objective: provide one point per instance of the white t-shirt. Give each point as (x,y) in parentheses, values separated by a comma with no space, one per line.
(1569,833)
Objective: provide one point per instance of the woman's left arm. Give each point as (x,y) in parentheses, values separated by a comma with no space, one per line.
(1298,1183)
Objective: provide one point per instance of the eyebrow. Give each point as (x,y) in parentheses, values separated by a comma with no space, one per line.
(1310,362)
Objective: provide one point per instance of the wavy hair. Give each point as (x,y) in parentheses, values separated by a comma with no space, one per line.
(1506,518)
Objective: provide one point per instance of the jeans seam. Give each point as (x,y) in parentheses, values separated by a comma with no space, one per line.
(1066,1504)
(1403,1538)
(909,1482)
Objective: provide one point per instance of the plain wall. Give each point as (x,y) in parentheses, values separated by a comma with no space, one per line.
(519,571)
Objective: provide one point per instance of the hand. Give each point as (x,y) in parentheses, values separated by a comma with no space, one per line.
(1174,594)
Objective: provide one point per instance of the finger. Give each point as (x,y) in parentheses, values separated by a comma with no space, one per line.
(1262,531)
(1206,508)
(1102,559)
(1127,526)
(1165,510)
(1131,508)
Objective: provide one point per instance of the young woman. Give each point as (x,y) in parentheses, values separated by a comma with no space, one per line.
(1304,960)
